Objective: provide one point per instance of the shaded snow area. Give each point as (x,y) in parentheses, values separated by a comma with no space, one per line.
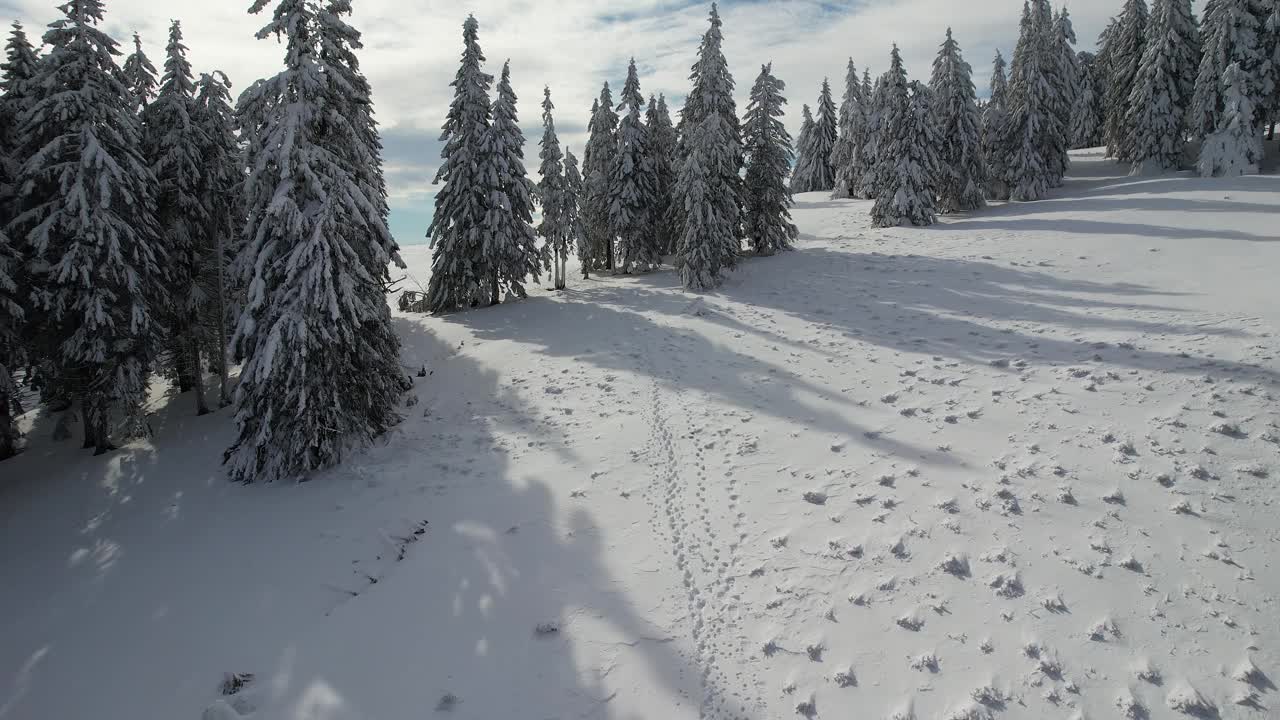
(1016,465)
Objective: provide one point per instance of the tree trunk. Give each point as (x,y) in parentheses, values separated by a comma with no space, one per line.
(198,377)
(186,366)
(608,260)
(224,398)
(8,430)
(494,298)
(86,417)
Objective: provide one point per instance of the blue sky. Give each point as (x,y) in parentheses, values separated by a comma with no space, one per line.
(411,52)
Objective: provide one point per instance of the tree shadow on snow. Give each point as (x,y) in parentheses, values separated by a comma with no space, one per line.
(148,563)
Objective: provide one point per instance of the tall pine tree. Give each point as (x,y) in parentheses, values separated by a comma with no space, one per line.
(139,76)
(712,93)
(709,224)
(88,225)
(845,156)
(1063,74)
(315,382)
(172,142)
(815,170)
(551,194)
(597,169)
(573,196)
(219,194)
(632,188)
(1162,92)
(1235,148)
(1030,102)
(511,242)
(663,153)
(16,71)
(461,273)
(877,109)
(1086,121)
(907,161)
(1125,45)
(963,172)
(802,173)
(768,201)
(995,119)
(11,353)
(1232,33)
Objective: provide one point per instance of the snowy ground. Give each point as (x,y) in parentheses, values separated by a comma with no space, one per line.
(1018,465)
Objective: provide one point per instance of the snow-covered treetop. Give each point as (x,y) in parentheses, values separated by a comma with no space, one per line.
(138,71)
(177,69)
(999,85)
(631,96)
(20,60)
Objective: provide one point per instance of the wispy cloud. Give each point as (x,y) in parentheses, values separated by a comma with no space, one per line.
(574,45)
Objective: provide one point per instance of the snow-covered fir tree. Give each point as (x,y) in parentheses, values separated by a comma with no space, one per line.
(510,240)
(1232,32)
(139,76)
(15,76)
(172,143)
(1063,75)
(959,125)
(802,173)
(877,107)
(814,170)
(712,93)
(1125,45)
(633,193)
(1161,96)
(597,169)
(767,216)
(574,193)
(995,119)
(11,353)
(1086,124)
(1235,148)
(1030,101)
(853,123)
(219,194)
(357,144)
(89,228)
(461,273)
(907,160)
(709,222)
(551,195)
(314,382)
(663,153)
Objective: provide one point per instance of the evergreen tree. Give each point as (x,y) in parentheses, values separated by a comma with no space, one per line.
(959,124)
(633,193)
(1235,148)
(551,195)
(1232,33)
(995,119)
(17,70)
(511,242)
(315,381)
(709,223)
(88,226)
(461,272)
(139,76)
(1102,74)
(1085,121)
(11,354)
(663,149)
(768,201)
(1030,101)
(877,108)
(597,167)
(573,196)
(1161,96)
(825,131)
(1125,45)
(853,122)
(802,173)
(1063,74)
(908,164)
(172,143)
(712,93)
(219,194)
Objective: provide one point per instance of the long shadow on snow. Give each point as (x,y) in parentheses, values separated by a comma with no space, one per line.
(633,337)
(279,579)
(963,309)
